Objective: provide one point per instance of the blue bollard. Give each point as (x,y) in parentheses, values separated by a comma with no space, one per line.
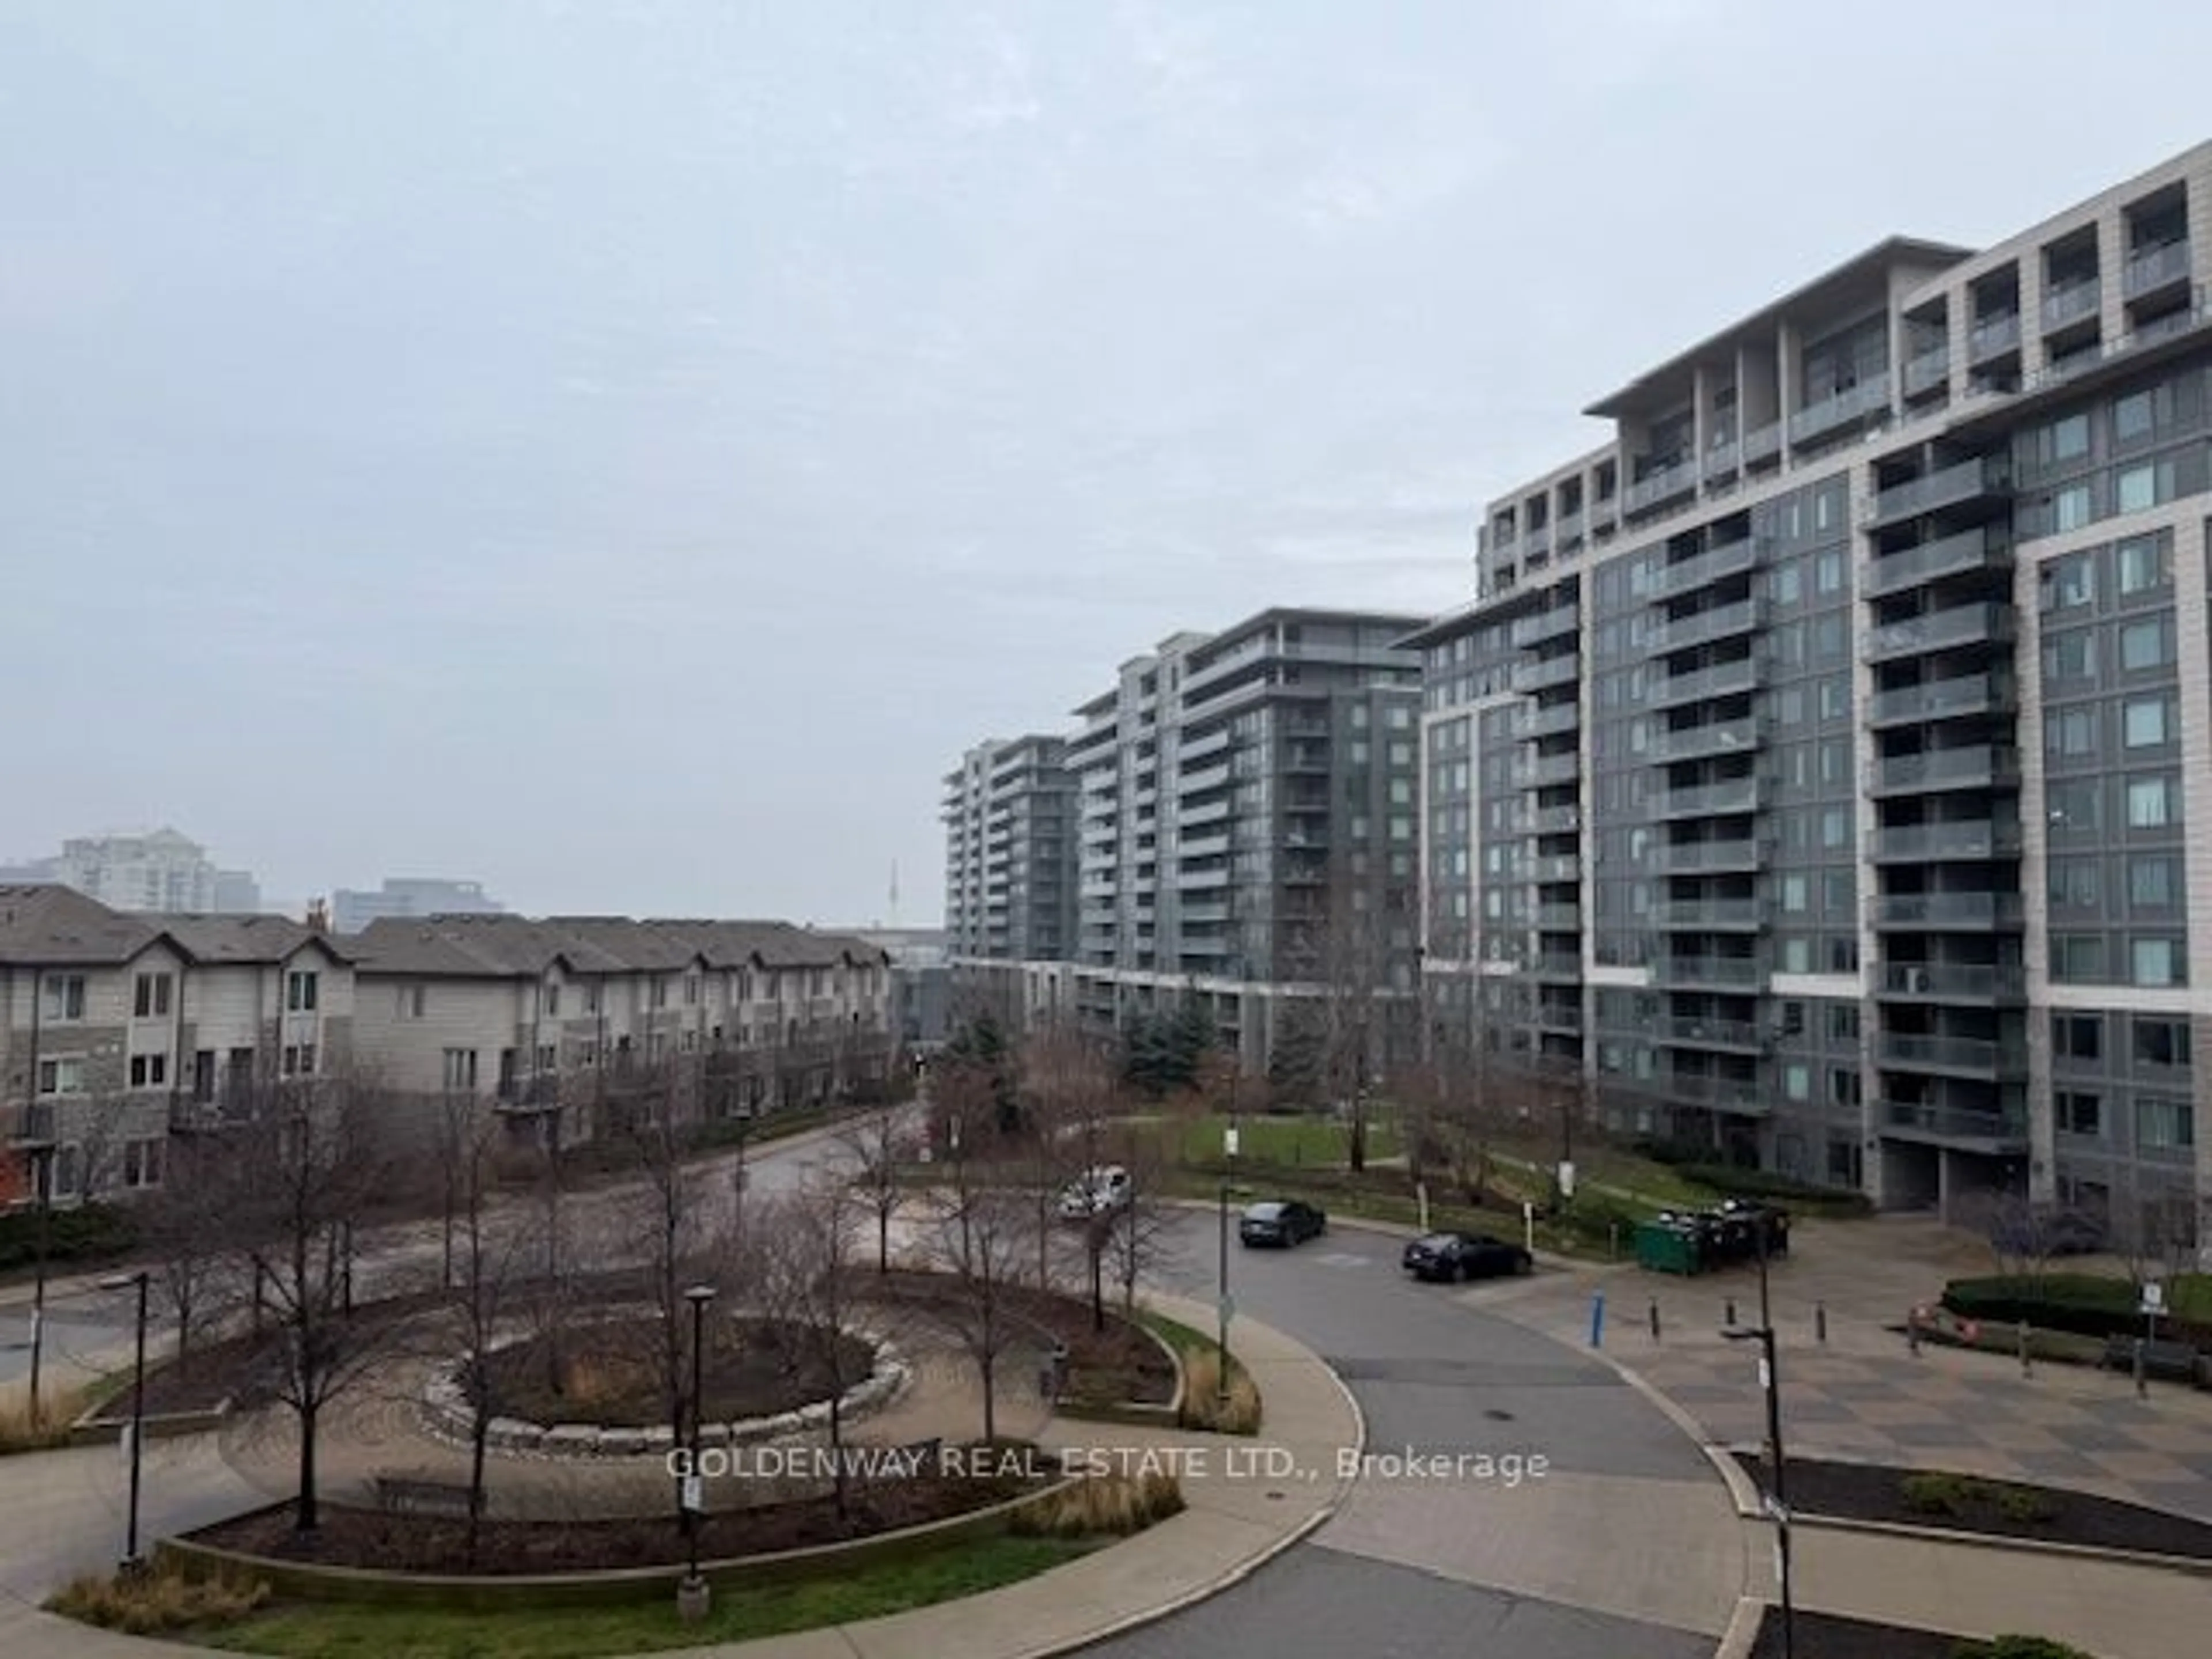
(1597,1320)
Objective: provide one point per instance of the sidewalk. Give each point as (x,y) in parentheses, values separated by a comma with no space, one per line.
(1232,1524)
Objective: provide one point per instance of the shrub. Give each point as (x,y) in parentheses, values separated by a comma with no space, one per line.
(1204,1406)
(2018,1647)
(1101,1505)
(2088,1304)
(83,1232)
(1733,1182)
(153,1603)
(1939,1494)
(2028,1504)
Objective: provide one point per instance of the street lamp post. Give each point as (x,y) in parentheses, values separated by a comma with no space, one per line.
(1229,1139)
(1778,1498)
(691,1596)
(132,1563)
(42,1178)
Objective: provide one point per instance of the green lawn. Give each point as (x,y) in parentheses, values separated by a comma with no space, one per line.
(345,1631)
(1298,1142)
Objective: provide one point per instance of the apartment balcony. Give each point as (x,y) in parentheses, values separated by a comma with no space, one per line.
(1305,757)
(1720,623)
(1604,515)
(1552,720)
(1557,965)
(1721,460)
(1557,918)
(1940,630)
(2155,270)
(1564,867)
(1845,409)
(1536,542)
(1706,568)
(1737,973)
(1711,915)
(1198,749)
(1958,696)
(2075,302)
(1961,1056)
(1958,1127)
(1205,945)
(1201,880)
(1737,1036)
(1204,911)
(1565,669)
(1720,680)
(1203,846)
(1963,840)
(1742,1096)
(1945,981)
(1985,481)
(1660,487)
(1193,818)
(1980,548)
(1993,337)
(1569,530)
(1555,820)
(1762,443)
(1689,857)
(1555,1016)
(1546,770)
(1736,736)
(1709,801)
(1980,766)
(1560,622)
(1299,872)
(1937,913)
(1927,372)
(1204,778)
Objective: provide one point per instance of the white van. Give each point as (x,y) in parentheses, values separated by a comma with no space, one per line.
(1099,1190)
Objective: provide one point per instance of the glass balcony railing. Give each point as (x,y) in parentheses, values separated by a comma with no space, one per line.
(1734,737)
(2151,269)
(1742,1035)
(1711,800)
(1563,868)
(1556,964)
(1840,410)
(1967,840)
(1722,621)
(1738,972)
(1978,549)
(1939,630)
(1563,669)
(1937,911)
(1560,918)
(1977,764)
(1953,1125)
(1762,443)
(1710,566)
(1719,680)
(1984,478)
(1912,1051)
(1682,858)
(2071,303)
(1708,915)
(1958,696)
(1719,1094)
(1928,370)
(1941,980)
(1660,485)
(1994,335)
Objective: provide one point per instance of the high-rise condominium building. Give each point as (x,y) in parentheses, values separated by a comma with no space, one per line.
(151,870)
(1247,829)
(1009,814)
(1815,773)
(353,909)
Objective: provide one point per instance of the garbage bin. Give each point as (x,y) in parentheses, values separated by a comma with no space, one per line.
(1668,1247)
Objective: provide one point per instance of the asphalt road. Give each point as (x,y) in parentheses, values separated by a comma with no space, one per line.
(1410,1567)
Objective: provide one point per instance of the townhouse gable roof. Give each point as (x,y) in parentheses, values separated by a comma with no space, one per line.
(242,940)
(474,947)
(45,924)
(641,947)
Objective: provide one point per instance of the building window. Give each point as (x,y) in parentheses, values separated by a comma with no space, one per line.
(1797,955)
(552,1002)
(2077,958)
(657,993)
(2069,582)
(2146,644)
(2165,1124)
(61,1076)
(64,998)
(2071,655)
(1795,893)
(149,1070)
(2069,732)
(460,1068)
(2078,1112)
(2160,1042)
(2070,508)
(2147,722)
(411,1001)
(592,998)
(691,990)
(1797,1081)
(2072,884)
(2151,885)
(2146,563)
(150,996)
(2157,960)
(300,991)
(2142,487)
(2150,802)
(549,1056)
(142,1163)
(2077,1036)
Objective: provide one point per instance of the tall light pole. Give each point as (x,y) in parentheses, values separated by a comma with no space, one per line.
(132,1563)
(1229,1138)
(42,1178)
(691,1599)
(1778,1497)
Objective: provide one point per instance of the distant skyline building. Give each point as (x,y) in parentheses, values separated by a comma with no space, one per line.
(156,870)
(352,908)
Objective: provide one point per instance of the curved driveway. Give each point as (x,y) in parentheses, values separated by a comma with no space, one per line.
(1628,1544)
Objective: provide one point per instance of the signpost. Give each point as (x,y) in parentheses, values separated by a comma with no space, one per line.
(1529,1225)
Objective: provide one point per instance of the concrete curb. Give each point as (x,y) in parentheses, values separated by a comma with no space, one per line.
(1741,1492)
(1743,1633)
(2188,1565)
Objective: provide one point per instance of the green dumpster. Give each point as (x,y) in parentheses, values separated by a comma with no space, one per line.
(1667,1248)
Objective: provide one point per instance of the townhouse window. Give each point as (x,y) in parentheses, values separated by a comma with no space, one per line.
(460,1068)
(66,1178)
(549,1056)
(150,996)
(204,1075)
(149,1070)
(591,999)
(691,990)
(2078,1112)
(687,1042)
(300,988)
(411,1001)
(61,1076)
(1797,1081)
(64,998)
(2165,1124)
(1843,1085)
(552,1002)
(142,1163)
(657,993)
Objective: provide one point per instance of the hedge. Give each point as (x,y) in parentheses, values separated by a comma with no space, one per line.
(81,1233)
(2088,1304)
(1733,1182)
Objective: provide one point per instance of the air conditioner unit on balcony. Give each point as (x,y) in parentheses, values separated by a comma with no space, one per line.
(1915,980)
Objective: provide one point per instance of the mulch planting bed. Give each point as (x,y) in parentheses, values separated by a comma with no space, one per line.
(1822,1636)
(2002,1508)
(754,1368)
(415,1543)
(1121,1364)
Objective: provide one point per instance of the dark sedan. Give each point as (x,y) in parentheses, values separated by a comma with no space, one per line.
(1444,1256)
(1281,1223)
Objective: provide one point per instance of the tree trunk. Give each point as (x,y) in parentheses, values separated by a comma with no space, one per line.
(883,1240)
(479,1439)
(1097,1289)
(307,1515)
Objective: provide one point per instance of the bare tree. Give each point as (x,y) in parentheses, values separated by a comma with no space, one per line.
(805,1269)
(666,1212)
(317,1161)
(880,1147)
(984,1229)
(1066,1089)
(1140,1231)
(1342,955)
(191,1241)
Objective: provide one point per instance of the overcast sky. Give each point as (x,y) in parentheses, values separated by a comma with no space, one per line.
(623,453)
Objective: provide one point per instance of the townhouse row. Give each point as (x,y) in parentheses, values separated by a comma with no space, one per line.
(119,1032)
